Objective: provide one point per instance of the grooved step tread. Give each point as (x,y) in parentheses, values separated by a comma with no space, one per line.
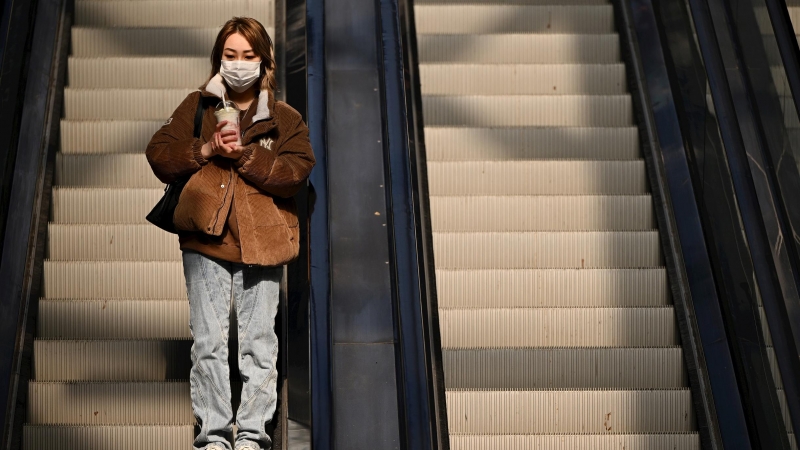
(107,136)
(564,368)
(528,110)
(522,79)
(113,319)
(87,242)
(105,280)
(130,170)
(112,360)
(570,411)
(138,72)
(532,143)
(672,441)
(177,14)
(542,213)
(140,104)
(540,250)
(519,48)
(557,327)
(479,19)
(110,403)
(460,178)
(521,288)
(117,437)
(104,205)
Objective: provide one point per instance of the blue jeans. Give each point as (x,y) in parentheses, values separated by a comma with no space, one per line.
(211,283)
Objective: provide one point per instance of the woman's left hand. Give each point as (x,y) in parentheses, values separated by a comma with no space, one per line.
(234,153)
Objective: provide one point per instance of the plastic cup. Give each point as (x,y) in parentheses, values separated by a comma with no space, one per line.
(227,110)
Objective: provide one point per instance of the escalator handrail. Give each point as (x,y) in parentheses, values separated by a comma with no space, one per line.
(422,225)
(319,233)
(690,275)
(24,237)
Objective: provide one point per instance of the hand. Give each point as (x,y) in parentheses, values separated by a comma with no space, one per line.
(223,143)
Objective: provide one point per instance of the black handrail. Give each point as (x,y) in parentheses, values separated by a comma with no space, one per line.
(708,357)
(319,239)
(738,134)
(24,238)
(421,207)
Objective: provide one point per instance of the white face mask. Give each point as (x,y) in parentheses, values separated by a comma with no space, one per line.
(240,75)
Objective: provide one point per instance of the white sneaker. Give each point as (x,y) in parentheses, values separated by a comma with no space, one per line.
(247,446)
(214,447)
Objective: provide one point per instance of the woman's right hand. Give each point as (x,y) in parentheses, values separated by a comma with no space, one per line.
(223,141)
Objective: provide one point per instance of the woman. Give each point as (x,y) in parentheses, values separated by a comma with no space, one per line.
(237,224)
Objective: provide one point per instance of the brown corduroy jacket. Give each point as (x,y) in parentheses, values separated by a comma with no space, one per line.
(276,161)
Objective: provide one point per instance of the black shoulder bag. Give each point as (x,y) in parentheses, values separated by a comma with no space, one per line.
(162,213)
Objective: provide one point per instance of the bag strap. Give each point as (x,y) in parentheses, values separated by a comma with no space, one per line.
(198,117)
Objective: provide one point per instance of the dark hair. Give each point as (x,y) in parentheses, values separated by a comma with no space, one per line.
(259,39)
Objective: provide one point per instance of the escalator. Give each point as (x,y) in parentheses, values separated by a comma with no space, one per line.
(111,355)
(557,325)
(549,244)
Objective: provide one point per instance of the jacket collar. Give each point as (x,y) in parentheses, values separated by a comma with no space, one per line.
(215,88)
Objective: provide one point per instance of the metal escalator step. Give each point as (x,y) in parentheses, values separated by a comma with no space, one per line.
(138,72)
(519,48)
(121,437)
(113,319)
(129,170)
(116,360)
(107,136)
(537,178)
(507,144)
(540,250)
(542,213)
(670,441)
(109,403)
(552,288)
(110,206)
(114,279)
(479,19)
(161,13)
(574,411)
(522,79)
(528,110)
(104,104)
(118,242)
(94,42)
(557,327)
(565,368)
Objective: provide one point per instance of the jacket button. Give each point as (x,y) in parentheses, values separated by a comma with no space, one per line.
(222,185)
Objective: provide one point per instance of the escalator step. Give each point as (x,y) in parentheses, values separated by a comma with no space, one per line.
(512,2)
(164,13)
(113,319)
(519,48)
(528,110)
(485,19)
(105,280)
(505,144)
(570,411)
(104,104)
(682,441)
(462,178)
(121,242)
(107,136)
(138,73)
(565,368)
(542,213)
(531,250)
(120,437)
(552,288)
(522,79)
(94,42)
(114,360)
(111,206)
(112,170)
(109,403)
(557,327)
